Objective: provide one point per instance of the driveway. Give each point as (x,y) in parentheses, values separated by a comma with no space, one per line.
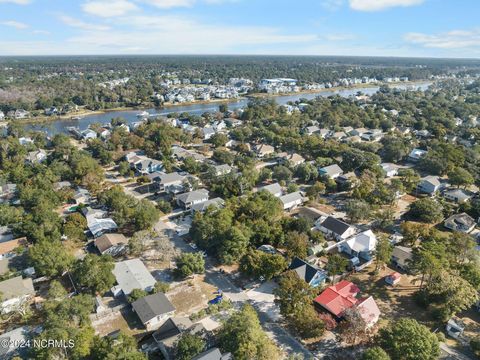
(263,299)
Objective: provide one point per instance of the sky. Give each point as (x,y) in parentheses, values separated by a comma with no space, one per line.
(410,28)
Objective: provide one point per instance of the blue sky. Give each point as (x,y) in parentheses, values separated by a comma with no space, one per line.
(424,28)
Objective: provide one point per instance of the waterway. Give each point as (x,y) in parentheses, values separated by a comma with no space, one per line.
(62,125)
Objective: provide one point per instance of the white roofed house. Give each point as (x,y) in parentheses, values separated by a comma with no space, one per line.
(97,222)
(310,130)
(331,171)
(147,166)
(203,206)
(402,256)
(460,222)
(361,245)
(132,274)
(88,134)
(292,200)
(293,159)
(430,185)
(458,196)
(416,154)
(275,189)
(37,156)
(390,169)
(188,199)
(15,292)
(207,132)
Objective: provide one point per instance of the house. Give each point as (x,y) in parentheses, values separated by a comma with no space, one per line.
(15,293)
(393,279)
(460,222)
(292,159)
(334,228)
(331,171)
(36,157)
(213,354)
(402,256)
(153,310)
(168,334)
(369,311)
(292,200)
(19,114)
(358,132)
(207,132)
(97,222)
(338,298)
(455,328)
(347,179)
(324,133)
(416,154)
(458,196)
(132,274)
(14,343)
(389,169)
(361,245)
(372,135)
(167,182)
(147,166)
(7,192)
(312,275)
(338,135)
(188,199)
(275,189)
(104,133)
(310,130)
(264,150)
(267,249)
(88,134)
(202,207)
(51,111)
(8,245)
(223,169)
(82,196)
(111,244)
(25,141)
(430,185)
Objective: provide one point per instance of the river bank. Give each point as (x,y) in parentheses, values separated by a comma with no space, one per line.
(169,106)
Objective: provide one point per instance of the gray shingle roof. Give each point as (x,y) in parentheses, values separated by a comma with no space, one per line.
(151,306)
(132,274)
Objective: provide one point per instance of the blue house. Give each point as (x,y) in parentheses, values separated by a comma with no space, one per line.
(312,275)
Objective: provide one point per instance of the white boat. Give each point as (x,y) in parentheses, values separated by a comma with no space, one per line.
(143,114)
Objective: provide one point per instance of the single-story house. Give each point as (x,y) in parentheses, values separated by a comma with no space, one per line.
(372,135)
(346,179)
(153,310)
(338,298)
(111,244)
(335,228)
(402,256)
(7,192)
(97,222)
(292,200)
(362,245)
(369,311)
(310,130)
(293,159)
(36,157)
(132,274)
(14,343)
(275,189)
(202,207)
(416,154)
(188,199)
(312,275)
(88,134)
(430,184)
(389,169)
(207,132)
(458,196)
(331,171)
(8,245)
(460,222)
(15,292)
(264,150)
(168,334)
(213,354)
(358,132)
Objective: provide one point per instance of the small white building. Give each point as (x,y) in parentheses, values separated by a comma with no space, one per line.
(292,200)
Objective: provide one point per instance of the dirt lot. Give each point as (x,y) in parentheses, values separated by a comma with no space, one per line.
(125,320)
(191,296)
(394,302)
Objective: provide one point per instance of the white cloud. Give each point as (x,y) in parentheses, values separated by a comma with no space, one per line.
(166,4)
(15,24)
(108,8)
(18,2)
(73,22)
(455,39)
(377,5)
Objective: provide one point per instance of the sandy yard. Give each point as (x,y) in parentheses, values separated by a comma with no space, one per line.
(191,296)
(125,320)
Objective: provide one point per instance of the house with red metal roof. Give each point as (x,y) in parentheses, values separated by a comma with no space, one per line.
(338,298)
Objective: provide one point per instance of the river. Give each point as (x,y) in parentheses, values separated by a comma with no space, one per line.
(62,125)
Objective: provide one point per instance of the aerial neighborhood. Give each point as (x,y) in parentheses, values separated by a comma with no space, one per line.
(327,227)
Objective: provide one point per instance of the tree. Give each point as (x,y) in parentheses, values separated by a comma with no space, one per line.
(124,169)
(292,293)
(49,258)
(189,346)
(136,294)
(375,353)
(243,336)
(282,173)
(257,263)
(219,139)
(190,263)
(124,347)
(383,252)
(306,172)
(410,179)
(145,215)
(234,245)
(161,286)
(317,189)
(406,339)
(95,273)
(357,210)
(74,227)
(296,244)
(353,328)
(336,265)
(426,210)
(460,177)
